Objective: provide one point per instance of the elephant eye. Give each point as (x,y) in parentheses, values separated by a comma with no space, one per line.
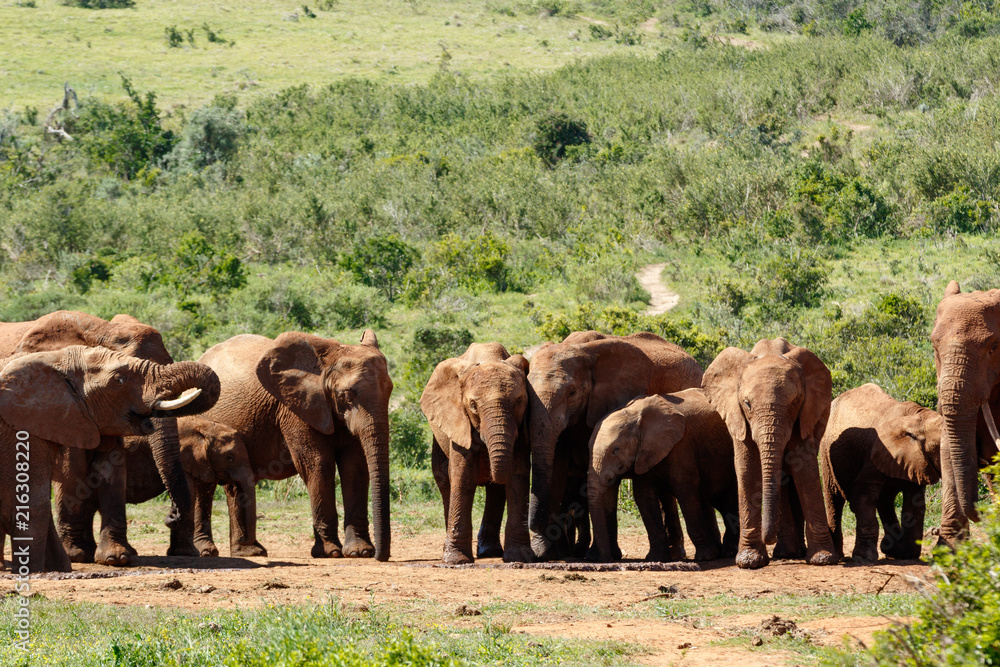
(472,405)
(346,396)
(746,403)
(230,458)
(618,450)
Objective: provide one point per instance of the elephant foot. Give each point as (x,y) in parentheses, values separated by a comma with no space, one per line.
(518,554)
(545,550)
(455,557)
(751,558)
(489,549)
(113,554)
(326,550)
(254,550)
(660,556)
(864,553)
(706,553)
(358,548)
(823,557)
(187,550)
(79,554)
(728,551)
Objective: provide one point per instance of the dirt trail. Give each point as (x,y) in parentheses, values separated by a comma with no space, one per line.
(661,299)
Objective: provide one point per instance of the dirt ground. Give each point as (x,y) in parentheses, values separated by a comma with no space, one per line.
(590,605)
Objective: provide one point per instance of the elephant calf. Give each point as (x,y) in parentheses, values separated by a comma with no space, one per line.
(211,454)
(674,446)
(476,407)
(876,447)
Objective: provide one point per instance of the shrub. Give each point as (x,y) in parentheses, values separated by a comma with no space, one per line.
(554,132)
(856,23)
(212,134)
(128,137)
(959,211)
(198,266)
(958,615)
(609,278)
(381,261)
(429,346)
(600,32)
(173,36)
(408,437)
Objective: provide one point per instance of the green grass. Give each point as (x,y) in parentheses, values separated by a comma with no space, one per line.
(394,40)
(84,635)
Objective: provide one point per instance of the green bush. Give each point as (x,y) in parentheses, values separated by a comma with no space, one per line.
(198,266)
(381,261)
(555,131)
(958,615)
(429,346)
(212,134)
(409,437)
(959,211)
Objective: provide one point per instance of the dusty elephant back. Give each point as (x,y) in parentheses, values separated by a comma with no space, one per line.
(673,368)
(713,445)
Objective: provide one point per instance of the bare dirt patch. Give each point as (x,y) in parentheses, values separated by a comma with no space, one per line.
(661,299)
(650,24)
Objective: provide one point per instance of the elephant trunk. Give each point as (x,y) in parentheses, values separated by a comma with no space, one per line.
(499,431)
(959,412)
(374,436)
(770,440)
(242,499)
(169,381)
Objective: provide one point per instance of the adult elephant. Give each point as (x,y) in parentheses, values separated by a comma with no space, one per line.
(76,398)
(775,401)
(476,405)
(673,446)
(966,340)
(308,405)
(92,480)
(572,385)
(875,448)
(211,454)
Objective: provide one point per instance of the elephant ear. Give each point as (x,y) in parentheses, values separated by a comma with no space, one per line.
(441,402)
(661,426)
(897,453)
(38,396)
(291,372)
(518,361)
(368,338)
(194,452)
(952,289)
(620,371)
(721,383)
(815,409)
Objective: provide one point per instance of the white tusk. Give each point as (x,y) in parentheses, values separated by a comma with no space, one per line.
(181,400)
(990,424)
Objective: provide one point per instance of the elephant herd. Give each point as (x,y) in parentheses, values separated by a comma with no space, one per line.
(95,414)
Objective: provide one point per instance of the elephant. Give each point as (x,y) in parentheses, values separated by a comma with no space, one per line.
(675,444)
(309,405)
(476,406)
(875,448)
(775,401)
(572,385)
(89,480)
(211,454)
(77,397)
(966,341)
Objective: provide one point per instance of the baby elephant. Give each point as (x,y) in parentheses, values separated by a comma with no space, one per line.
(211,454)
(876,447)
(671,445)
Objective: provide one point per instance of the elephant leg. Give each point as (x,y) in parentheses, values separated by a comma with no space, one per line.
(580,516)
(34,540)
(488,541)
(893,534)
(837,502)
(729,508)
(439,466)
(517,540)
(318,469)
(554,544)
(864,502)
(611,504)
(701,526)
(354,480)
(809,491)
(672,521)
(791,542)
(113,547)
(241,497)
(458,539)
(202,496)
(56,559)
(647,500)
(752,553)
(910,530)
(76,503)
